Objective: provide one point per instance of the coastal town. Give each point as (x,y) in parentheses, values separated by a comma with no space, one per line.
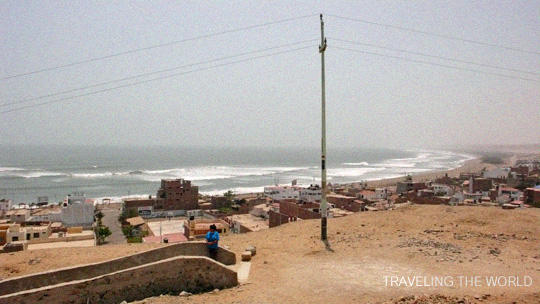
(170,225)
(188,213)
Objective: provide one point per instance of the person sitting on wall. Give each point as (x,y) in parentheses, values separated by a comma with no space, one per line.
(212,238)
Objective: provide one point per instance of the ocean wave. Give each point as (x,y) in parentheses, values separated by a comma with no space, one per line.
(39,174)
(351,172)
(215,172)
(356,164)
(239,190)
(10,169)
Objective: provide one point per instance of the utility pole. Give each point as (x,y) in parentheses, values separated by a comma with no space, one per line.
(324,208)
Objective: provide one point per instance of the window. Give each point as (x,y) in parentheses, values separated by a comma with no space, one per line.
(36,235)
(14,238)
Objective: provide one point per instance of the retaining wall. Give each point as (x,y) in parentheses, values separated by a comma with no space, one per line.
(89,271)
(170,276)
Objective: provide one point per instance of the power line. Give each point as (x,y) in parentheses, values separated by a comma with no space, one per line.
(154,79)
(436,64)
(157,46)
(436,35)
(438,57)
(152,73)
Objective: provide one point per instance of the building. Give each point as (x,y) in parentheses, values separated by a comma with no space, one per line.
(282,192)
(197,228)
(5,204)
(513,193)
(531,196)
(175,196)
(442,190)
(313,193)
(47,214)
(478,185)
(178,194)
(498,173)
(77,212)
(406,186)
(10,233)
(17,215)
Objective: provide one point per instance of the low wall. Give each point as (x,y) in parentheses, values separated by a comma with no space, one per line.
(88,271)
(68,238)
(170,276)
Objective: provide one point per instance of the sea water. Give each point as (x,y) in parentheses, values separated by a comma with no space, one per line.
(116,172)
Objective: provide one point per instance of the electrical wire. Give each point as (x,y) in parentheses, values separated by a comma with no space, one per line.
(435,34)
(435,64)
(438,57)
(157,46)
(154,79)
(152,73)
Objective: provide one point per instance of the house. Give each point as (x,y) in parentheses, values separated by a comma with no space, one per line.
(313,193)
(5,205)
(78,212)
(282,192)
(345,202)
(10,233)
(138,224)
(406,186)
(18,215)
(442,190)
(38,233)
(197,228)
(531,196)
(513,193)
(497,173)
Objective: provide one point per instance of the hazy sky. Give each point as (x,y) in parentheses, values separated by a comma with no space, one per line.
(373,99)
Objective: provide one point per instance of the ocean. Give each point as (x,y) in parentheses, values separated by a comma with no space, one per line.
(117,172)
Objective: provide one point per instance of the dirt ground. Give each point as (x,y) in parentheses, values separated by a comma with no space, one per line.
(414,254)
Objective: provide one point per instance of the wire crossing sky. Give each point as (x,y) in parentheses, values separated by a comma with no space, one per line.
(398,74)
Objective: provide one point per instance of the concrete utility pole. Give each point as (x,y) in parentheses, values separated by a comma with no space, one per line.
(324,208)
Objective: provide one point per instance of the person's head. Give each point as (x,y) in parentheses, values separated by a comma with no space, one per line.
(213,227)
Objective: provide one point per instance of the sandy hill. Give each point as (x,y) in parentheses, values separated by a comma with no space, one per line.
(372,258)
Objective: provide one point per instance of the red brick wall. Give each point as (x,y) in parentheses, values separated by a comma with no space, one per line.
(482,184)
(531,196)
(276,219)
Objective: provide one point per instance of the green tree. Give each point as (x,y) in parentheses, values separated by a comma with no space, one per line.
(127,213)
(229,196)
(103,232)
(99,217)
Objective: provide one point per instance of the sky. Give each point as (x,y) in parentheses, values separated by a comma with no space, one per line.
(248,73)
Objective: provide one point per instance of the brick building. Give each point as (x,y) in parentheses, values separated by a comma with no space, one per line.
(407,186)
(345,202)
(531,196)
(173,195)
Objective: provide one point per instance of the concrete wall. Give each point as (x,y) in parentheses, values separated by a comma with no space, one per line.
(170,276)
(69,238)
(97,269)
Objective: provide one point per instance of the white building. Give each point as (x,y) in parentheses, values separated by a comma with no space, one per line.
(5,204)
(310,194)
(443,190)
(382,193)
(313,193)
(501,173)
(77,211)
(282,192)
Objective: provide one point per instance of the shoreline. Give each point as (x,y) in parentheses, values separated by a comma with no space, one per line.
(474,165)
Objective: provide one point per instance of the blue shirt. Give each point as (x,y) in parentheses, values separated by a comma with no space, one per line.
(212,236)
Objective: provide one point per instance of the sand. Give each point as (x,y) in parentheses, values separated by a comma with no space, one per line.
(292,265)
